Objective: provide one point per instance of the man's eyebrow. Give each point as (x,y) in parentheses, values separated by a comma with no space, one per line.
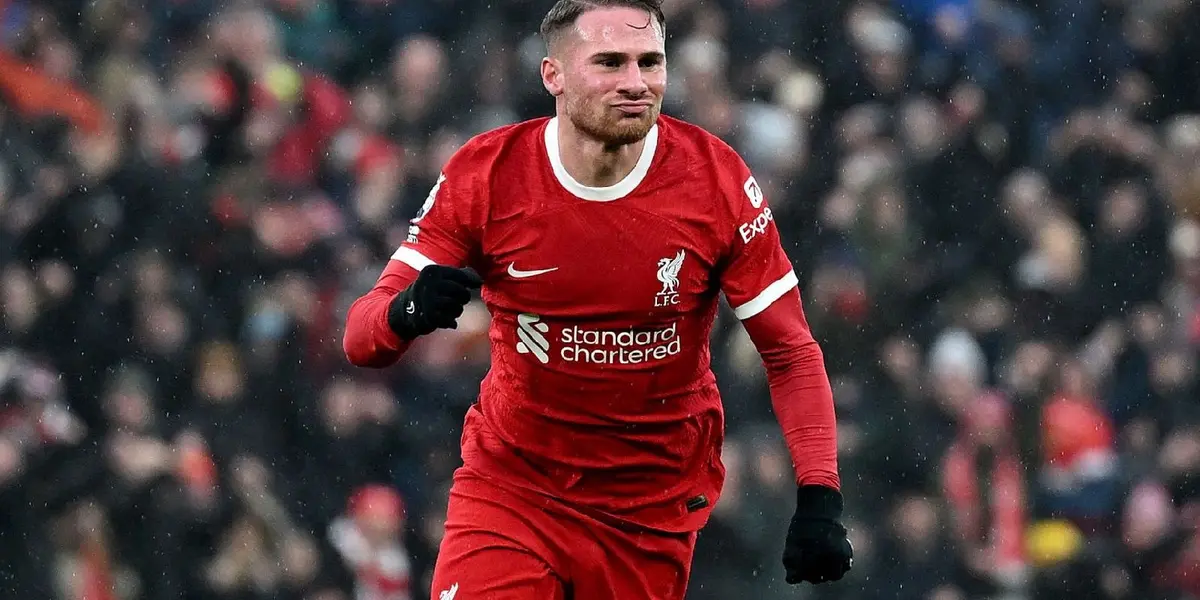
(613,54)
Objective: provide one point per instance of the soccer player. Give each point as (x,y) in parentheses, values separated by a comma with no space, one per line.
(602,239)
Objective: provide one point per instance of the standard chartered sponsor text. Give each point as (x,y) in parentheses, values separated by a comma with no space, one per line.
(618,347)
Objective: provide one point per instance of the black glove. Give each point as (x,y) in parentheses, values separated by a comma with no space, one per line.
(817,547)
(434,301)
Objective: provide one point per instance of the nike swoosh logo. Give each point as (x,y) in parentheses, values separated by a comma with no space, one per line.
(512,270)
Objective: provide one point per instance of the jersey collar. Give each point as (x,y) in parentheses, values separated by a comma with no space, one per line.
(600,194)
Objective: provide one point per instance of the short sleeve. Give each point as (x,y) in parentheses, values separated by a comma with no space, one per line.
(756,271)
(445,230)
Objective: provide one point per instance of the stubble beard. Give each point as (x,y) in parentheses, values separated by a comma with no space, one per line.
(608,126)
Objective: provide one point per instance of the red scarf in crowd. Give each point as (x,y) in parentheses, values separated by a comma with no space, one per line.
(987,493)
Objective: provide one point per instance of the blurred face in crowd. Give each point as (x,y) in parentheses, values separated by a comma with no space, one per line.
(152,276)
(608,74)
(128,406)
(915,520)
(1123,209)
(250,34)
(372,107)
(162,326)
(219,376)
(1148,516)
(418,66)
(18,299)
(338,407)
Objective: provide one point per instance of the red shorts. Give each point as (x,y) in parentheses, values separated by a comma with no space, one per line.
(506,545)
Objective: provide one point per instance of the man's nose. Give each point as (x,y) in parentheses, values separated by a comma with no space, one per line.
(632,81)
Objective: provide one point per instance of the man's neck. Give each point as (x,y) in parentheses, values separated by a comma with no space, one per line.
(591,162)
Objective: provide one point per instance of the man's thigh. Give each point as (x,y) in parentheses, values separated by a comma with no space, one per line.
(482,565)
(636,566)
(493,549)
(501,544)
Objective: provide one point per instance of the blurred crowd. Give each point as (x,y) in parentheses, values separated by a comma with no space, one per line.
(993,205)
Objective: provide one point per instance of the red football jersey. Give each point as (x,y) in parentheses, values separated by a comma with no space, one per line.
(602,303)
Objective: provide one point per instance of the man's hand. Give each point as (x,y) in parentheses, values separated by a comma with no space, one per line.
(817,547)
(434,301)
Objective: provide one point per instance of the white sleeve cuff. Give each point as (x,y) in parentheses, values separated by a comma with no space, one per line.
(412,258)
(766,297)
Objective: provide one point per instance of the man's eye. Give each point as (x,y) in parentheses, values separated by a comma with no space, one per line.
(610,63)
(650,62)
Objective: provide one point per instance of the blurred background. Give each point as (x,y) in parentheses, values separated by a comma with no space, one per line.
(992,205)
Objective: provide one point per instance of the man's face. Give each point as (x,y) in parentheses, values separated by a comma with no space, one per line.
(610,71)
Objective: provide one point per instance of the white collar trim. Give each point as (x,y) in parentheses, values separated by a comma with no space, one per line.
(600,194)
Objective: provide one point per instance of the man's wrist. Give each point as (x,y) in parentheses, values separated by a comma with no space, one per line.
(819,502)
(398,320)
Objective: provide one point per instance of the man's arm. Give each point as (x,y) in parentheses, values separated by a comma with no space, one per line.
(369,340)
(817,547)
(422,288)
(800,391)
(381,324)
(761,286)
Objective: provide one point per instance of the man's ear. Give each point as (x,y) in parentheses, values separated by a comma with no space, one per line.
(552,76)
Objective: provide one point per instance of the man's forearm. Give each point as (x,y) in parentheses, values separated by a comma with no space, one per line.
(800,390)
(369,341)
